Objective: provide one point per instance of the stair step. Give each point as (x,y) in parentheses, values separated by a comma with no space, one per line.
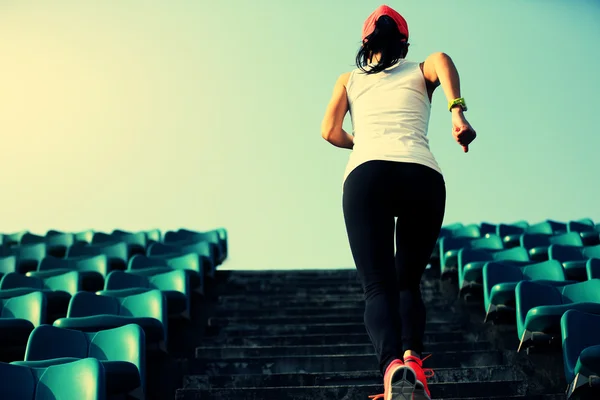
(440,390)
(330,339)
(320,302)
(321,318)
(284,351)
(339,362)
(442,375)
(340,328)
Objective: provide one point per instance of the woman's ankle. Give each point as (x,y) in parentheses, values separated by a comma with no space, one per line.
(411,353)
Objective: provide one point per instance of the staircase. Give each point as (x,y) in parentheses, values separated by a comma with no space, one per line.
(300,335)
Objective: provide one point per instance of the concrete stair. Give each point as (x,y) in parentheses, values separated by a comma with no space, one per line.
(300,335)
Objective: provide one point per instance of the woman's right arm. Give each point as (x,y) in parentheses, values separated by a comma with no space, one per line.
(439,69)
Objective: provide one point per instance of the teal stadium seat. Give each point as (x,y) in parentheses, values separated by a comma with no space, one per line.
(92,269)
(19,316)
(28,255)
(472,261)
(57,243)
(501,279)
(8,264)
(122,352)
(581,353)
(89,312)
(205,250)
(213,237)
(540,308)
(512,236)
(116,252)
(574,259)
(590,233)
(57,290)
(174,285)
(78,380)
(191,263)
(136,242)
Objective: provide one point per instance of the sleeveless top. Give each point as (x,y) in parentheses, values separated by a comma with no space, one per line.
(390,115)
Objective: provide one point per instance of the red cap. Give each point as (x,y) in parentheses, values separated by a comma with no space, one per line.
(369,25)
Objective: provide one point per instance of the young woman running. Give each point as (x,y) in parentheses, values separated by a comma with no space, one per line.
(391,172)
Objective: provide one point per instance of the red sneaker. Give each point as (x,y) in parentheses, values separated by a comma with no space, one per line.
(421,389)
(398,382)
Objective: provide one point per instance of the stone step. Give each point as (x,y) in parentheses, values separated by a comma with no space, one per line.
(440,390)
(339,328)
(339,363)
(284,351)
(321,318)
(251,312)
(292,274)
(330,339)
(312,302)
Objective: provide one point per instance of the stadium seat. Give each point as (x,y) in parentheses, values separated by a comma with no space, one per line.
(56,243)
(174,285)
(472,261)
(11,239)
(213,237)
(491,242)
(57,290)
(592,267)
(122,351)
(28,255)
(89,312)
(191,263)
(574,259)
(205,250)
(78,380)
(116,253)
(587,230)
(84,237)
(540,253)
(540,307)
(501,279)
(548,227)
(8,264)
(19,315)
(92,269)
(581,351)
(135,242)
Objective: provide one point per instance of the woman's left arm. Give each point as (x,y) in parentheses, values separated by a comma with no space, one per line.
(331,127)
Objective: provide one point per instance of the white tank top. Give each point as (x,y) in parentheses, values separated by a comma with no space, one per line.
(390,115)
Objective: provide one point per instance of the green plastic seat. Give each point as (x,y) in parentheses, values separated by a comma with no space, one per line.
(449,248)
(28,255)
(57,243)
(136,242)
(586,229)
(8,264)
(500,280)
(89,312)
(540,253)
(540,308)
(472,261)
(580,349)
(191,263)
(574,258)
(116,252)
(122,352)
(92,269)
(57,290)
(486,228)
(19,315)
(174,285)
(11,239)
(213,237)
(592,268)
(548,227)
(205,250)
(78,380)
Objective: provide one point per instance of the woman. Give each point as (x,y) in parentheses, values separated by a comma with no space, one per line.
(391,172)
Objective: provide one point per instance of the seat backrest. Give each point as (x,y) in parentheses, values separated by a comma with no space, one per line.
(176,280)
(153,235)
(8,264)
(511,229)
(69,282)
(580,226)
(550,270)
(121,280)
(162,248)
(531,240)
(593,268)
(115,249)
(514,254)
(78,380)
(189,261)
(34,251)
(86,304)
(47,342)
(541,227)
(498,272)
(14,280)
(592,251)
(471,231)
(492,241)
(486,228)
(452,243)
(150,304)
(140,261)
(84,236)
(576,339)
(97,263)
(126,343)
(16,382)
(131,238)
(31,307)
(586,291)
(567,239)
(466,255)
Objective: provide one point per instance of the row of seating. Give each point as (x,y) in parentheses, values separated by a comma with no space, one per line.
(86,316)
(543,277)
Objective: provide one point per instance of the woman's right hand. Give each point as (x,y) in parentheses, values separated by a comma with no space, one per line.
(462,131)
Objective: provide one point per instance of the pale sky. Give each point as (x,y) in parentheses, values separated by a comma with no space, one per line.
(168,114)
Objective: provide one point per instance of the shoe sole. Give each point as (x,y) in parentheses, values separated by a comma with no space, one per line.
(403,383)
(420,393)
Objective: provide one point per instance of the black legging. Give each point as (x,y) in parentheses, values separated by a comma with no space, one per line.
(374,193)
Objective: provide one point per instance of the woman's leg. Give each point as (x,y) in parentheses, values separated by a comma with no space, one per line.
(369,223)
(421,206)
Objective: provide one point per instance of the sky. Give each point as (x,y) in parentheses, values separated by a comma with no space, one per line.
(168,114)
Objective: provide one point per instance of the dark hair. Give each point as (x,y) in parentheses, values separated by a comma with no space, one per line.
(385,39)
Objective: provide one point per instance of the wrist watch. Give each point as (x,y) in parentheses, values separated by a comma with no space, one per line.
(457,102)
